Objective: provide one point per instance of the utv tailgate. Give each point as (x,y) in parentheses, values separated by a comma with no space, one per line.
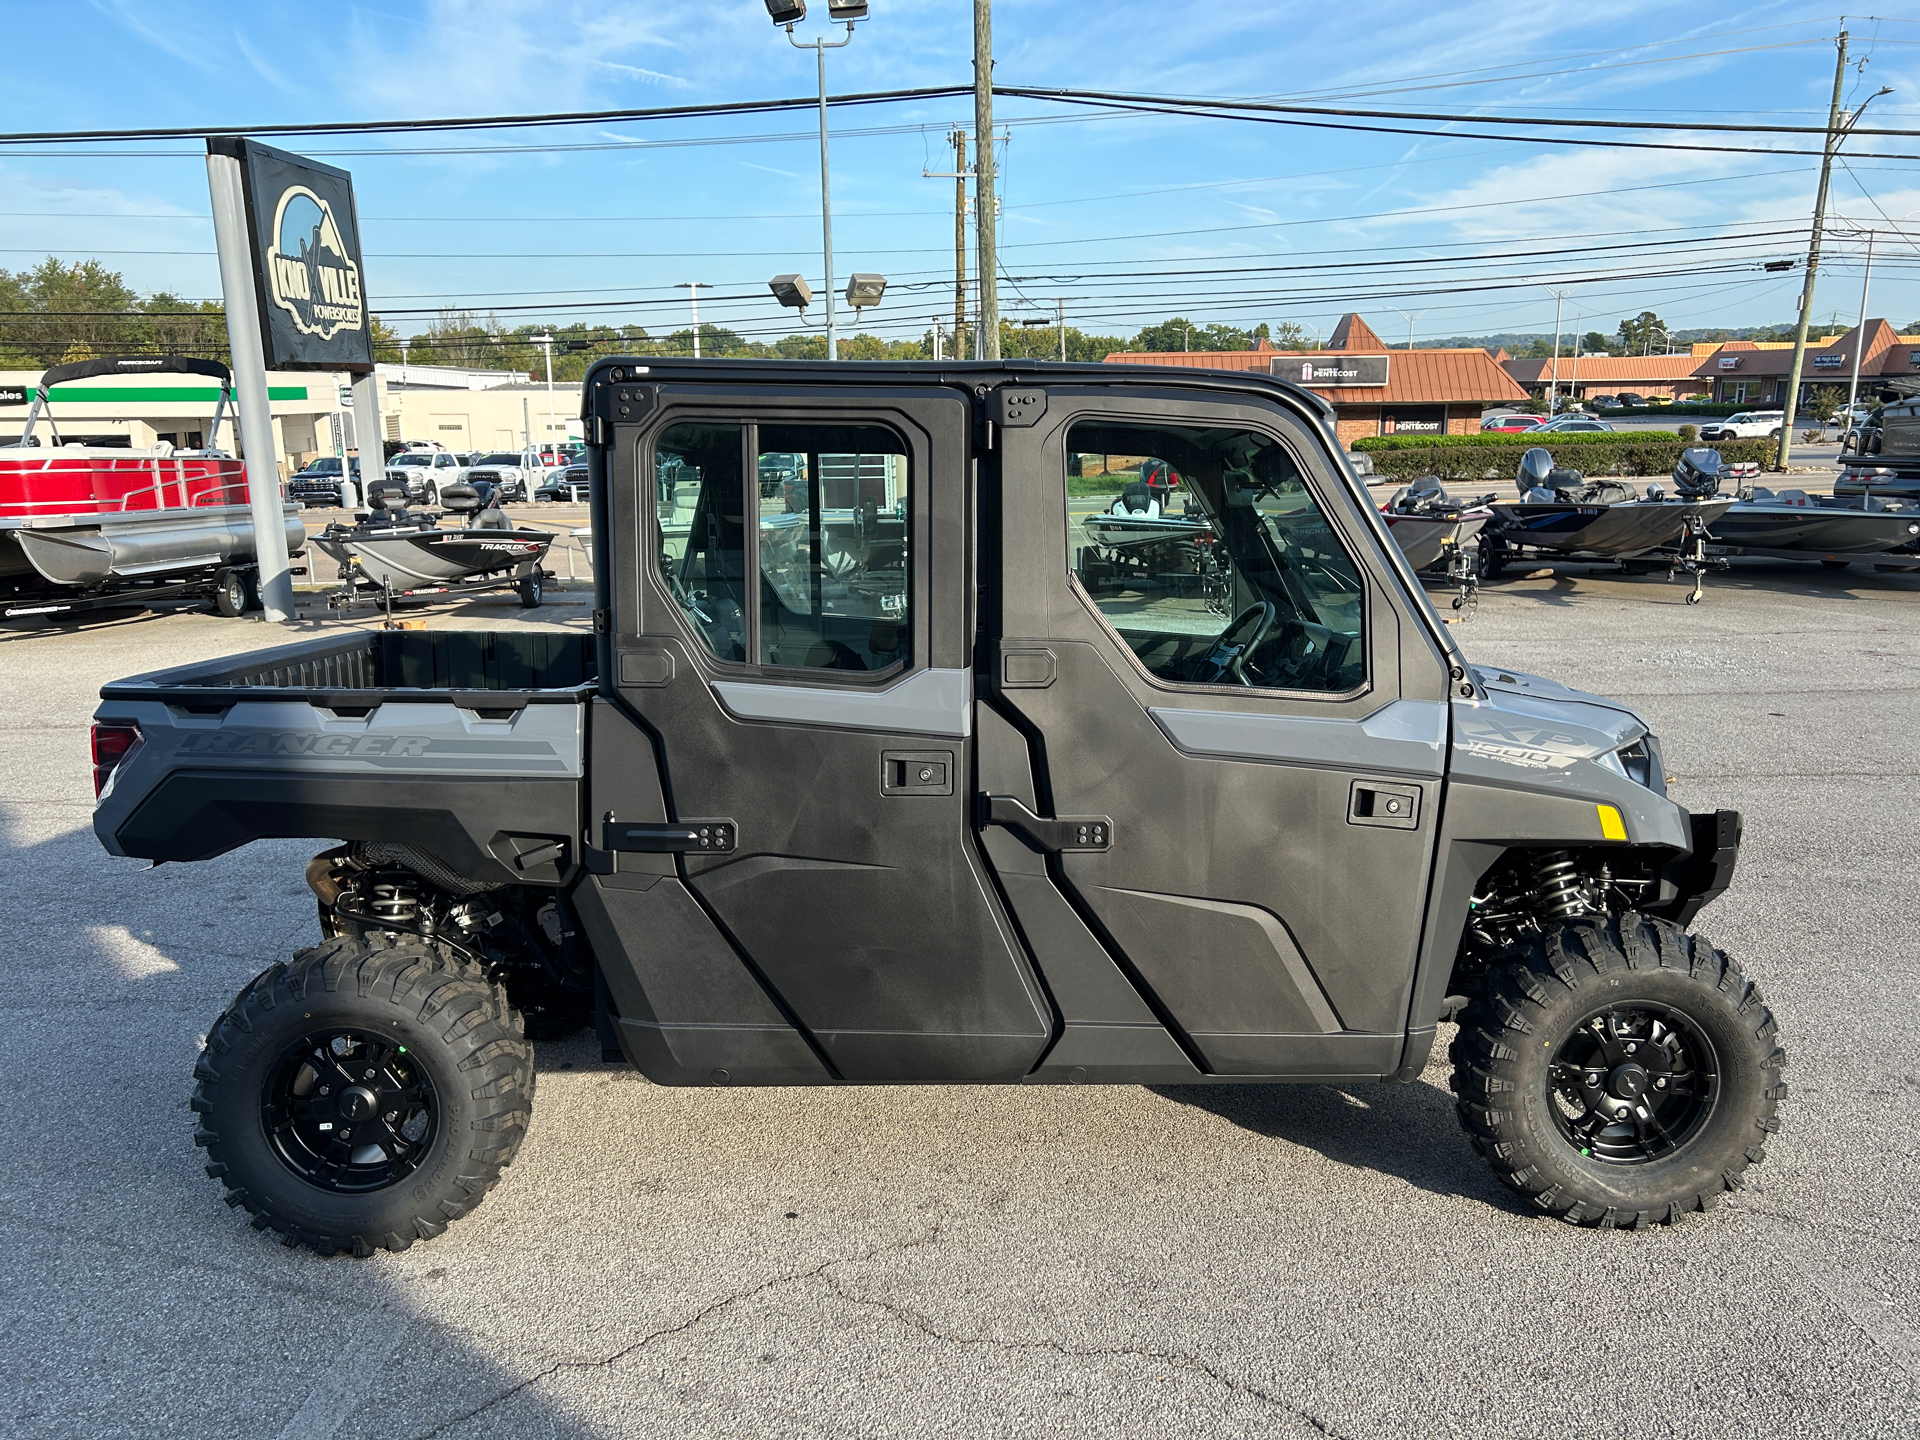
(466,744)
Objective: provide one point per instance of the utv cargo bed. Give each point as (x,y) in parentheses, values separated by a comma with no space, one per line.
(467,745)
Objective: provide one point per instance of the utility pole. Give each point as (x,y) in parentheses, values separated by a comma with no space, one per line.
(936,339)
(1834,133)
(1060,318)
(959,138)
(986,213)
(693,289)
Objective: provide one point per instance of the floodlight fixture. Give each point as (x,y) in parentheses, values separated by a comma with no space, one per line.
(791,291)
(1777,265)
(787,12)
(864,289)
(847,10)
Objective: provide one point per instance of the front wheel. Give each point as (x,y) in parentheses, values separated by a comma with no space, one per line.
(363,1095)
(433,493)
(1620,1073)
(530,591)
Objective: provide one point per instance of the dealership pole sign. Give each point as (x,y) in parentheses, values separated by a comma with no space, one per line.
(1331,368)
(303,240)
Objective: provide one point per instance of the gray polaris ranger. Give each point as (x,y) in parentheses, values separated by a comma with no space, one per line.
(868,775)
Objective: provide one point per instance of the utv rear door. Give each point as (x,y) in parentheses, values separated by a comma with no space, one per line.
(798,637)
(1235,722)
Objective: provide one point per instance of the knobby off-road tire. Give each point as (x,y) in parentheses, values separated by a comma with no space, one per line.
(353,1035)
(1659,1019)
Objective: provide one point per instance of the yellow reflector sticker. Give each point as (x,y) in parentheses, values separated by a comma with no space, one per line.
(1611,825)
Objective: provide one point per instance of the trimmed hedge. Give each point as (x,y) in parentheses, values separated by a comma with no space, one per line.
(1614,455)
(1368,444)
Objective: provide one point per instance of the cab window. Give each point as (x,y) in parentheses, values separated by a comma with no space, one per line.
(819,579)
(1209,556)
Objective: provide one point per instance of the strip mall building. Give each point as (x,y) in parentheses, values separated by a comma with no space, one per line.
(1374,390)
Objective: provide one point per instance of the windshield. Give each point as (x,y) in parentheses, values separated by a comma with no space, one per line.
(413,458)
(501,458)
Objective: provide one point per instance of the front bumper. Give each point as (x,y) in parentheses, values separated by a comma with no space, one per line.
(1692,882)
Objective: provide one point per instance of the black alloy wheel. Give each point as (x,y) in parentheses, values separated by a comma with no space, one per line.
(1633,1084)
(365,1094)
(349,1111)
(1619,1072)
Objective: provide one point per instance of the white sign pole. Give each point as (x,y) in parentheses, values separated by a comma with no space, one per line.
(368,431)
(230,238)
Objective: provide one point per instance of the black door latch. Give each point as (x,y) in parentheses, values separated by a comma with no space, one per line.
(1066,833)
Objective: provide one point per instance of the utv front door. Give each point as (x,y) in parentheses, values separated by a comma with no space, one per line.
(797,636)
(1238,717)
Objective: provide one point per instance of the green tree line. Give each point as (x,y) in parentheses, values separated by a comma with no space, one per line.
(59,311)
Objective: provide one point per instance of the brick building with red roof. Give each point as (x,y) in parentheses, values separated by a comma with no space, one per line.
(1742,373)
(1374,390)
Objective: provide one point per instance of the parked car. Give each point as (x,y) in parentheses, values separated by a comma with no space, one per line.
(570,484)
(319,483)
(424,472)
(1560,424)
(1604,402)
(1627,397)
(505,470)
(1511,423)
(1747,425)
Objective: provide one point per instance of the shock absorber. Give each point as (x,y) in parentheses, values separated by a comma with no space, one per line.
(1557,885)
(394,902)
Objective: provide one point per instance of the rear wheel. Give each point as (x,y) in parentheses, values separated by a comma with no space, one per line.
(252,574)
(1620,1074)
(530,591)
(433,493)
(230,593)
(364,1095)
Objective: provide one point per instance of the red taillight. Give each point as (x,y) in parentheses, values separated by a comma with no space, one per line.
(111,743)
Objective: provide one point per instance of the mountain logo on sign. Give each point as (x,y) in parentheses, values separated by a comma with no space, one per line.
(313,278)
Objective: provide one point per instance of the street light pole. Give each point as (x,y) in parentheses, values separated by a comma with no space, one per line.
(694,287)
(1836,132)
(546,343)
(819,48)
(1559,299)
(1859,341)
(1060,318)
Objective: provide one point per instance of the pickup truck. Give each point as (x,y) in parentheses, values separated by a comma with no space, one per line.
(873,786)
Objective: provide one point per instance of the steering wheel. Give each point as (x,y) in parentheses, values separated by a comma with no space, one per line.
(1257,619)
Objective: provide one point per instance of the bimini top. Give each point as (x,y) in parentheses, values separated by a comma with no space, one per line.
(133,365)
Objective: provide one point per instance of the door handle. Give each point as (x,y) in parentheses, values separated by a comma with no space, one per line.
(688,837)
(1394,807)
(1065,833)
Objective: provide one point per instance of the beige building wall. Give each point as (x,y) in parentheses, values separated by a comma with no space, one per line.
(502,419)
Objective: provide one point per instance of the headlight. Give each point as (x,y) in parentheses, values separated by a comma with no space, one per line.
(1642,764)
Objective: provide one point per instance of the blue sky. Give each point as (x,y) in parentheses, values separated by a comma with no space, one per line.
(1096,209)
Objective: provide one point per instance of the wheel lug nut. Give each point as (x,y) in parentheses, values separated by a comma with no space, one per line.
(1660,1084)
(1631,1047)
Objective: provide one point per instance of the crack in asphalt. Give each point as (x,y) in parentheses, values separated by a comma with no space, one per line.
(913,1320)
(907,1318)
(607,1362)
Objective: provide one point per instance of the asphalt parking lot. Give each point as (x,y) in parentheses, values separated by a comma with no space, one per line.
(961,1262)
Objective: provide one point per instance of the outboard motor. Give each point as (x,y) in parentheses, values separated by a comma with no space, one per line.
(1696,475)
(1536,469)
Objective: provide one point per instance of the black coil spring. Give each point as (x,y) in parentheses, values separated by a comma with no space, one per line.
(1557,887)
